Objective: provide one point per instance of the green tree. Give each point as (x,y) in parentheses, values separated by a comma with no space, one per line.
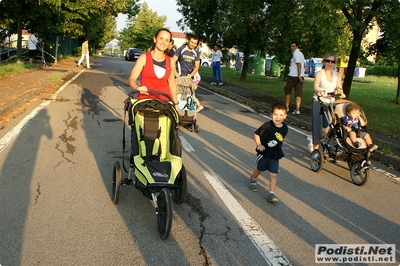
(141,29)
(387,47)
(266,26)
(77,19)
(359,15)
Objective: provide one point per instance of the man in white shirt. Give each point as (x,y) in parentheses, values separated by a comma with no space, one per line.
(295,78)
(216,60)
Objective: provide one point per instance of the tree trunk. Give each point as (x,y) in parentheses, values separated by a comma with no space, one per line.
(246,53)
(398,84)
(355,50)
(19,42)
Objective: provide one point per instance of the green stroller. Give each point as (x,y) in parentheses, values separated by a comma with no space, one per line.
(155,163)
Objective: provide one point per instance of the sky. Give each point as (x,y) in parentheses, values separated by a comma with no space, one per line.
(162,7)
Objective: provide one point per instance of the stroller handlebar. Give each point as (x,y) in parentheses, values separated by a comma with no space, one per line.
(134,92)
(329,95)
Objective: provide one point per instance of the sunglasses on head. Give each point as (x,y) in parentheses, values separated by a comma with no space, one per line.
(330,61)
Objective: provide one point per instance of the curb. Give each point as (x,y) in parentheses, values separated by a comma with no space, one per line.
(30,95)
(389,160)
(22,99)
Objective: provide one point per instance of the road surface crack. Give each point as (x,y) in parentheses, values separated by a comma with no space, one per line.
(38,193)
(197,207)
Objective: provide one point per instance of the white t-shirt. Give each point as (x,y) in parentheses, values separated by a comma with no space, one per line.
(216,56)
(32,42)
(298,57)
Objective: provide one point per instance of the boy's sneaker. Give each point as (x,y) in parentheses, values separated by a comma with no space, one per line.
(357,144)
(253,185)
(199,108)
(272,198)
(372,147)
(221,83)
(296,112)
(213,83)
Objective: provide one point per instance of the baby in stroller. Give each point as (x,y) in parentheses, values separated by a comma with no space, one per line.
(351,123)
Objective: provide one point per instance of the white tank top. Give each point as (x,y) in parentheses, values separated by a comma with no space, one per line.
(327,86)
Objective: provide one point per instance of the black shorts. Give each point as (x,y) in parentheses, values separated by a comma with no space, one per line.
(32,53)
(263,164)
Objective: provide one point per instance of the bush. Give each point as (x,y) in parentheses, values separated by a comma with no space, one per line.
(388,71)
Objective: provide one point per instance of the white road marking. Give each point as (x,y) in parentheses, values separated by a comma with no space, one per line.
(263,243)
(186,145)
(13,133)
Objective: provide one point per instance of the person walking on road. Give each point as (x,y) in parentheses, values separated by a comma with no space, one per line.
(326,82)
(295,78)
(269,140)
(171,50)
(216,60)
(156,69)
(187,58)
(85,53)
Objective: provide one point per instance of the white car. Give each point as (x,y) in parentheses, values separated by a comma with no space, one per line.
(205,61)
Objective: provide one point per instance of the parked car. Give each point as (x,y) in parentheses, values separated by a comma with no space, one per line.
(132,54)
(205,61)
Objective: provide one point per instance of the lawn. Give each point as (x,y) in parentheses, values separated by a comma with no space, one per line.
(376,95)
(16,68)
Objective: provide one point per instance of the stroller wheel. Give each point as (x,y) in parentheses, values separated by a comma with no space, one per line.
(316,160)
(197,129)
(192,128)
(116,182)
(164,213)
(359,174)
(179,193)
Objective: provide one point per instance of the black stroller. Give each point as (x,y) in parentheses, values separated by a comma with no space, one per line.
(337,145)
(155,163)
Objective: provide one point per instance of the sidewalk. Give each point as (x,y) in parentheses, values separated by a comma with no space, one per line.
(21,88)
(18,89)
(262,104)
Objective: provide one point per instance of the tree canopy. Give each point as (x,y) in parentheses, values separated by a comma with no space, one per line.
(268,26)
(92,19)
(141,28)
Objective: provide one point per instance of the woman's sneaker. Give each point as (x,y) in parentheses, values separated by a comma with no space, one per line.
(272,198)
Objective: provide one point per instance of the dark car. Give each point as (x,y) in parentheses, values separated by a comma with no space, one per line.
(132,54)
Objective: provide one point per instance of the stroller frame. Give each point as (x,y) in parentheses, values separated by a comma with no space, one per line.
(336,144)
(187,107)
(155,163)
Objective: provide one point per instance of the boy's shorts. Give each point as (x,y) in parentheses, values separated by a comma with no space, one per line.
(263,164)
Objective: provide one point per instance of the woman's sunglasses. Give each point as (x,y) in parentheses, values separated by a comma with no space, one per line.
(330,61)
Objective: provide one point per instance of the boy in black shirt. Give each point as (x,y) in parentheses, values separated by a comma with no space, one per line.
(269,139)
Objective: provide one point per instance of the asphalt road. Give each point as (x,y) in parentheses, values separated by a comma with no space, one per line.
(55,186)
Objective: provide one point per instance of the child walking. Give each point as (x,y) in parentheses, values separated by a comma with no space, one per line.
(269,139)
(351,123)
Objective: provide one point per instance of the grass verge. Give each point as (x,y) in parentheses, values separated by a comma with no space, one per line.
(16,68)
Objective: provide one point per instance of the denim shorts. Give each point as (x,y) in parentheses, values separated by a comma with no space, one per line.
(263,164)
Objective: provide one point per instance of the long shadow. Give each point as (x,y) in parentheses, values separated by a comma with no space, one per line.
(322,200)
(136,210)
(16,189)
